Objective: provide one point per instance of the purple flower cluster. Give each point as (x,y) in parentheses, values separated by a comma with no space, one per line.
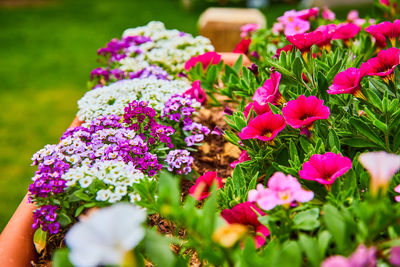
(118,49)
(102,76)
(180,109)
(141,119)
(152,71)
(46,216)
(180,161)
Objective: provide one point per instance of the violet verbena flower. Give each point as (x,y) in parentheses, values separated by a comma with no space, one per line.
(201,189)
(152,71)
(246,213)
(141,118)
(302,112)
(179,161)
(263,127)
(325,168)
(282,190)
(126,47)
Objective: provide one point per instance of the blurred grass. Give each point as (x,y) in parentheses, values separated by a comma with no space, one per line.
(46,55)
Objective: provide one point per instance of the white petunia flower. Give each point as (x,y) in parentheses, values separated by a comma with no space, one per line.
(106,235)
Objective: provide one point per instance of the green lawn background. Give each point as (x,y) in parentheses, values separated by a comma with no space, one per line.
(46,55)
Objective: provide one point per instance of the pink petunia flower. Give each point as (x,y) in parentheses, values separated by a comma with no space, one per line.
(384,2)
(325,168)
(201,189)
(242,158)
(205,60)
(397,190)
(348,82)
(385,30)
(381,167)
(352,15)
(304,41)
(268,93)
(246,213)
(345,31)
(302,112)
(328,14)
(247,29)
(277,28)
(362,257)
(282,190)
(288,17)
(242,47)
(196,92)
(263,127)
(297,26)
(307,14)
(383,64)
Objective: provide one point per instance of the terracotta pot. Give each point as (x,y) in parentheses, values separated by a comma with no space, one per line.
(16,240)
(76,122)
(230,58)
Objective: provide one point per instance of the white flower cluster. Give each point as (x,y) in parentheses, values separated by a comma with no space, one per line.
(106,235)
(170,49)
(112,99)
(116,177)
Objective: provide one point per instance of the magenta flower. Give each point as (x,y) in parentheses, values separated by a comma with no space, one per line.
(345,31)
(288,17)
(306,14)
(246,213)
(247,29)
(381,167)
(201,189)
(205,60)
(302,112)
(286,49)
(328,14)
(327,33)
(348,82)
(394,257)
(242,158)
(325,168)
(196,92)
(352,15)
(263,127)
(242,47)
(383,64)
(297,26)
(282,190)
(385,30)
(268,93)
(384,2)
(304,41)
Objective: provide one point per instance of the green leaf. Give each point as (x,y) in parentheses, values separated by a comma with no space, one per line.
(297,67)
(39,240)
(366,131)
(63,219)
(158,250)
(238,179)
(238,64)
(81,195)
(336,226)
(324,239)
(307,220)
(374,99)
(60,258)
(333,140)
(288,256)
(294,155)
(310,247)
